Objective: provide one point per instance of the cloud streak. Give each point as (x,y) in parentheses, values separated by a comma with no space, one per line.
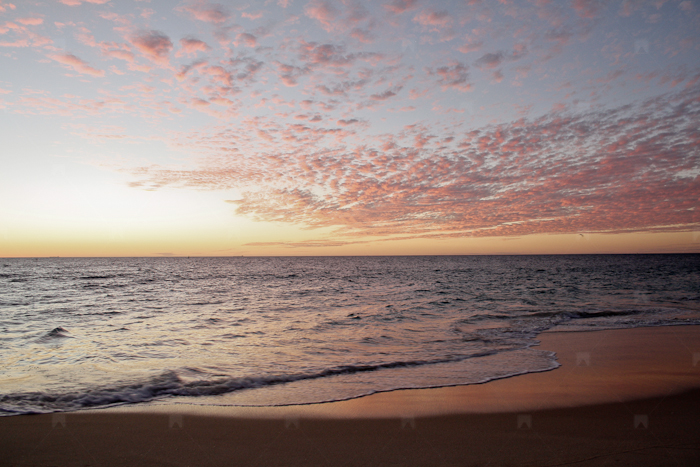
(77,64)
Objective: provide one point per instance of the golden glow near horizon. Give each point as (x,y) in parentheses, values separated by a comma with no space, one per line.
(311,127)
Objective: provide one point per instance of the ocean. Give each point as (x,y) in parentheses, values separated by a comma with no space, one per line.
(85,333)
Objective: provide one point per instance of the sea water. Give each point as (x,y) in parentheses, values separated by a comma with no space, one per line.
(81,333)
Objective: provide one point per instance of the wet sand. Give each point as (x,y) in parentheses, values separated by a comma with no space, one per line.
(625,397)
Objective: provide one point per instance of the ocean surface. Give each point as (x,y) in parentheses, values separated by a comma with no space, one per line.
(81,333)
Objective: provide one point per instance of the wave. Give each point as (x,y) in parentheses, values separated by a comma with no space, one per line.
(569,314)
(168,384)
(55,333)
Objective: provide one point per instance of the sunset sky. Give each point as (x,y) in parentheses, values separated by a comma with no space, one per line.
(310,127)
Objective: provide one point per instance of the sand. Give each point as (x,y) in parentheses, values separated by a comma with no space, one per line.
(624,397)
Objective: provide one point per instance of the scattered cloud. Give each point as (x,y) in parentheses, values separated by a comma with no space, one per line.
(401,6)
(246,39)
(452,76)
(608,171)
(213,13)
(190,46)
(154,45)
(322,11)
(77,64)
(392,118)
(31,21)
(80,2)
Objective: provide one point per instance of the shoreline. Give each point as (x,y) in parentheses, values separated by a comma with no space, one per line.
(628,396)
(589,360)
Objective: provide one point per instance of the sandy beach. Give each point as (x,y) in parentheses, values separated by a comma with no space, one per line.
(621,397)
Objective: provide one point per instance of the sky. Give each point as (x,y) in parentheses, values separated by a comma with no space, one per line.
(348,127)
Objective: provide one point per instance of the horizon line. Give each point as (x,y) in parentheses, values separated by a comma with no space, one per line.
(346,256)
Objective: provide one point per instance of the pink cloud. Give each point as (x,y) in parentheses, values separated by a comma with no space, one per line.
(246,39)
(3,8)
(686,6)
(207,12)
(246,68)
(30,21)
(16,43)
(587,8)
(437,19)
(452,76)
(197,102)
(222,101)
(79,2)
(389,93)
(120,53)
(362,35)
(356,13)
(322,11)
(252,16)
(118,19)
(439,22)
(180,76)
(218,74)
(191,46)
(77,64)
(490,60)
(611,171)
(562,36)
(108,49)
(290,74)
(154,45)
(470,46)
(401,6)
